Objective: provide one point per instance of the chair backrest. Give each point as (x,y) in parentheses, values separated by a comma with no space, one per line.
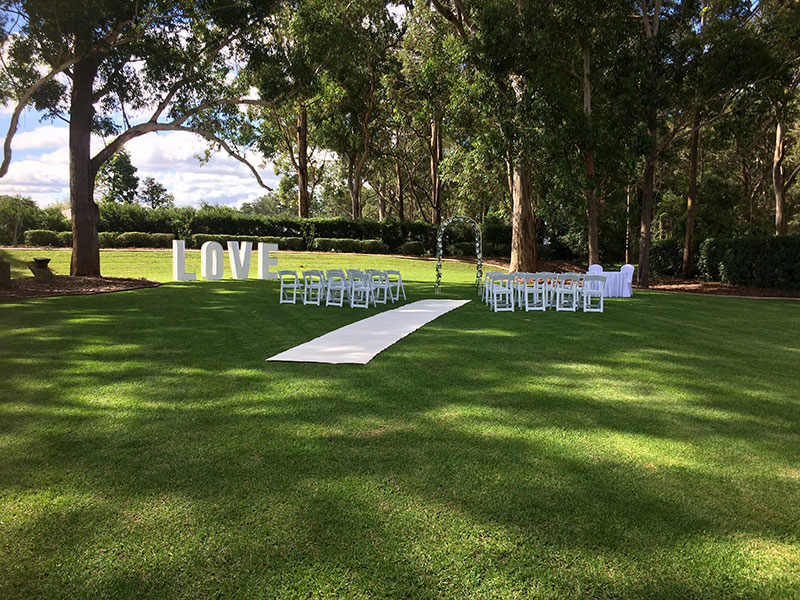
(568,280)
(335,275)
(594,282)
(595,269)
(502,281)
(289,275)
(358,278)
(628,270)
(312,276)
(376,275)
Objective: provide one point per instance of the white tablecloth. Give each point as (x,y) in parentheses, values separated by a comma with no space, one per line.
(616,285)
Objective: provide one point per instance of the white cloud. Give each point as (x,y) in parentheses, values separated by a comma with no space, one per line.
(47,136)
(168,157)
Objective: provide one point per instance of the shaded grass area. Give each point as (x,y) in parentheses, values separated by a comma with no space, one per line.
(148,451)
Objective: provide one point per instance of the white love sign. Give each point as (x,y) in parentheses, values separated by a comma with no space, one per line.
(212,260)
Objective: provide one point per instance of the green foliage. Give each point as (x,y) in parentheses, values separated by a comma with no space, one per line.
(763,261)
(107,239)
(412,249)
(16,215)
(64,239)
(292,243)
(461,249)
(116,179)
(154,195)
(666,257)
(336,245)
(138,239)
(51,217)
(350,245)
(41,237)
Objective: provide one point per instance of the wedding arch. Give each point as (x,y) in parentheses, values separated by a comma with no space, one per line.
(478,248)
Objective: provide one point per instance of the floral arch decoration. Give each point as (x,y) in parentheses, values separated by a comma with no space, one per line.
(478,249)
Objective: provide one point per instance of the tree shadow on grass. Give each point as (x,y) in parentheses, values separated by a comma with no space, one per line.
(154,453)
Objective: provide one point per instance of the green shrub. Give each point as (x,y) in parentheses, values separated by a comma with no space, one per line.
(223,239)
(107,239)
(138,239)
(336,245)
(462,249)
(763,261)
(666,257)
(292,243)
(41,237)
(412,249)
(497,249)
(347,245)
(64,239)
(371,247)
(161,240)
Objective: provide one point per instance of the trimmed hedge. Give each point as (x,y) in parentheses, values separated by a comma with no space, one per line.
(138,239)
(412,249)
(462,249)
(762,261)
(348,245)
(107,239)
(41,237)
(64,239)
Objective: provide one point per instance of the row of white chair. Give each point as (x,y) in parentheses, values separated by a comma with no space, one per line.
(540,291)
(337,286)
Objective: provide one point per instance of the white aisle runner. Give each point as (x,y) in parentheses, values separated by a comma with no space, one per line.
(359,342)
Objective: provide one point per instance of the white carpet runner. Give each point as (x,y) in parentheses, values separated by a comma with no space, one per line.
(359,342)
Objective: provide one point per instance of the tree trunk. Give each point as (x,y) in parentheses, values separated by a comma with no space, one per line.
(381,205)
(778,178)
(399,179)
(591,193)
(691,200)
(435,152)
(648,191)
(354,188)
(303,199)
(85,214)
(523,232)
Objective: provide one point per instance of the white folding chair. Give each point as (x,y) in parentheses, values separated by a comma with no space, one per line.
(358,289)
(567,292)
(549,288)
(627,291)
(336,288)
(378,286)
(593,288)
(534,296)
(396,286)
(487,284)
(289,283)
(313,287)
(502,293)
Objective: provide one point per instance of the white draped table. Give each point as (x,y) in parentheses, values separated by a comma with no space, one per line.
(616,285)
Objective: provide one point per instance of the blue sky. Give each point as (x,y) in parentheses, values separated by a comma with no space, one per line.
(40,165)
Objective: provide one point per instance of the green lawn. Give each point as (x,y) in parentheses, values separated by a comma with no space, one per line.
(147,450)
